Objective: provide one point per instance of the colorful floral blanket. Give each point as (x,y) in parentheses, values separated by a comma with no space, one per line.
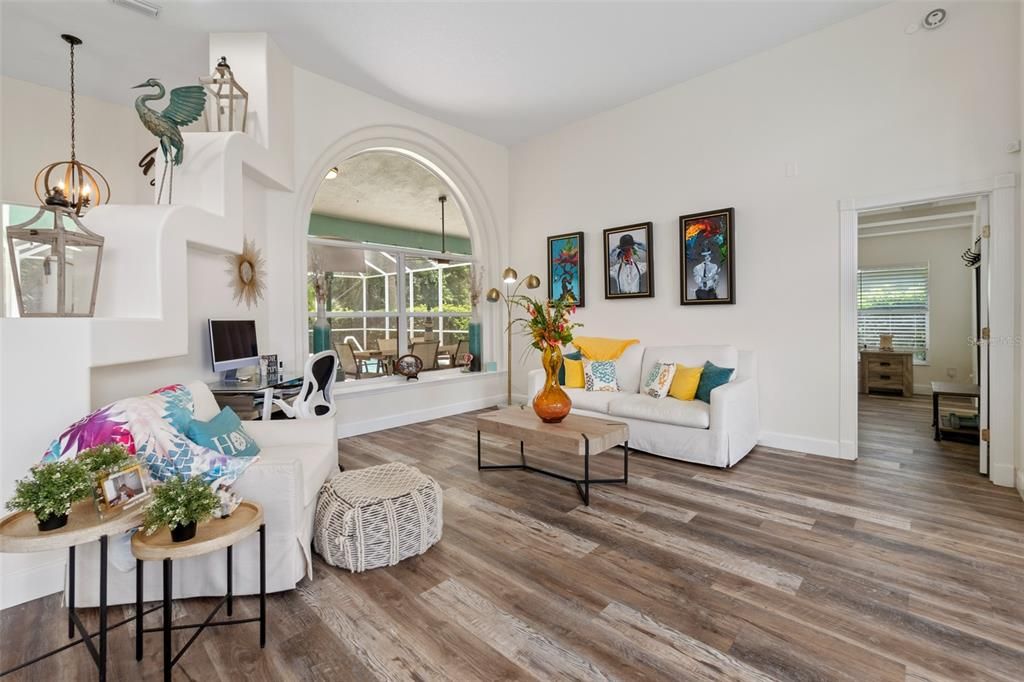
(151,427)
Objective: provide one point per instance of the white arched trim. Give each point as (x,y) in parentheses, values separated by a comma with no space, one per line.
(481,221)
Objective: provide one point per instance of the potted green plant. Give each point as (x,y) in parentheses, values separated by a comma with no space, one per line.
(106,459)
(182,504)
(50,490)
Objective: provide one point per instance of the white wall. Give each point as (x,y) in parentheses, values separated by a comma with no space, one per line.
(210,295)
(35,128)
(950,289)
(1020,316)
(860,108)
(333,120)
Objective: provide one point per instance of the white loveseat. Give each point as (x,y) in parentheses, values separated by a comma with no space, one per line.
(719,434)
(296,457)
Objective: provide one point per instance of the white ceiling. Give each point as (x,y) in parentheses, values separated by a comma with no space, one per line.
(505,70)
(389,189)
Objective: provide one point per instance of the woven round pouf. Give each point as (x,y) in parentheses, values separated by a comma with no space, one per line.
(373,517)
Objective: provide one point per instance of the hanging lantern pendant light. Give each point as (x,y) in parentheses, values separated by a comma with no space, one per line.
(71,184)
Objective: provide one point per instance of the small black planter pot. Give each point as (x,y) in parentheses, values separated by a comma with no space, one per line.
(183,533)
(53,523)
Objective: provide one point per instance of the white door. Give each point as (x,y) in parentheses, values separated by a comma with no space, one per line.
(983,344)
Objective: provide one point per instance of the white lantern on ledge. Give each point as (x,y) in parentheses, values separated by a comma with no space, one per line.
(227,105)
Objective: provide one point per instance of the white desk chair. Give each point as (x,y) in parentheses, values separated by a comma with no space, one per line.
(316,397)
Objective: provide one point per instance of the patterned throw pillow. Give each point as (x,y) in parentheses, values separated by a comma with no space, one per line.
(150,427)
(659,379)
(223,433)
(599,375)
(711,378)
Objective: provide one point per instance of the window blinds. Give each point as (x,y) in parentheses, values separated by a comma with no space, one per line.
(893,301)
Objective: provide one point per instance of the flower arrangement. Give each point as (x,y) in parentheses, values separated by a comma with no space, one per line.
(548,324)
(105,459)
(51,489)
(180,502)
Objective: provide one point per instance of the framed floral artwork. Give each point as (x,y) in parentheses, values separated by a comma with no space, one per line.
(565,268)
(707,272)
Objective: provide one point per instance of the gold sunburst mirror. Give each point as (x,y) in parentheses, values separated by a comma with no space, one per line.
(247,273)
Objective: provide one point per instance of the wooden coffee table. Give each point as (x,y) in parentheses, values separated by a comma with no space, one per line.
(583,436)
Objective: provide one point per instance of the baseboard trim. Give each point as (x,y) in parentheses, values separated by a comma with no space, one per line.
(922,389)
(32,582)
(1020,483)
(404,419)
(1002,474)
(812,446)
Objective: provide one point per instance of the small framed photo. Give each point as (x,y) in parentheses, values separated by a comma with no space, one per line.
(123,488)
(629,261)
(706,250)
(565,268)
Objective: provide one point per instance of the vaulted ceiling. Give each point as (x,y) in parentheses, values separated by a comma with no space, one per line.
(388,189)
(505,70)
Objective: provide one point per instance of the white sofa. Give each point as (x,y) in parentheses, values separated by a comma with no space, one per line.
(719,434)
(296,457)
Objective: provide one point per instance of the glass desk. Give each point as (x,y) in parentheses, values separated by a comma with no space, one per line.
(261,384)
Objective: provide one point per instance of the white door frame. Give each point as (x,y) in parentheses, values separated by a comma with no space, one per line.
(1004,325)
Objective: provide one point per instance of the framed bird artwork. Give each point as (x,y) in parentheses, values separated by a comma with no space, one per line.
(565,268)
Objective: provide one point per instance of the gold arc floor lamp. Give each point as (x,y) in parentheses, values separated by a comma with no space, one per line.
(512,285)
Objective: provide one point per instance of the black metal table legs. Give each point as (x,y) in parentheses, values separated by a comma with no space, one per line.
(97,650)
(582,484)
(170,658)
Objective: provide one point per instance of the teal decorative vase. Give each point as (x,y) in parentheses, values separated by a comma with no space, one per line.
(321,330)
(476,342)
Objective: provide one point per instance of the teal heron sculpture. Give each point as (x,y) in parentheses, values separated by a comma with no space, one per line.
(184,106)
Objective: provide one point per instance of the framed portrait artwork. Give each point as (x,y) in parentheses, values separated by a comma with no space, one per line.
(629,261)
(707,273)
(565,267)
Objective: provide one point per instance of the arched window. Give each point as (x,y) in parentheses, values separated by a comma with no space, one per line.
(389,283)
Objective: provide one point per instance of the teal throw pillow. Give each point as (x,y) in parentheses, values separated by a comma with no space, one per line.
(711,378)
(223,434)
(561,370)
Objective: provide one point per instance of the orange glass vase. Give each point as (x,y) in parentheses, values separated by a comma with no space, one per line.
(552,404)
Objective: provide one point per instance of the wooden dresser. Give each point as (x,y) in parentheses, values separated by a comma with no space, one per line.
(884,371)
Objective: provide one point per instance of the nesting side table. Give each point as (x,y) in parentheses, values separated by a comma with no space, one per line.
(19,534)
(210,536)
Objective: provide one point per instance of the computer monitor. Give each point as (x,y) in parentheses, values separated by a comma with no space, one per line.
(233,345)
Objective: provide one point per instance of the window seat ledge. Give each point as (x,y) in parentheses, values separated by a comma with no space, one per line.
(398,383)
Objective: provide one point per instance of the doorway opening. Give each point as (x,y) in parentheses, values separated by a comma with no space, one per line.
(922,302)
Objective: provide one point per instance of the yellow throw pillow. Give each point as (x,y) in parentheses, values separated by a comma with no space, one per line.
(685,382)
(574,374)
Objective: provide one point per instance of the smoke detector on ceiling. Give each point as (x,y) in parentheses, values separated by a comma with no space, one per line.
(934,19)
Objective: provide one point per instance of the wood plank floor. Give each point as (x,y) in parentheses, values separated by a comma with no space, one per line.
(904,565)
